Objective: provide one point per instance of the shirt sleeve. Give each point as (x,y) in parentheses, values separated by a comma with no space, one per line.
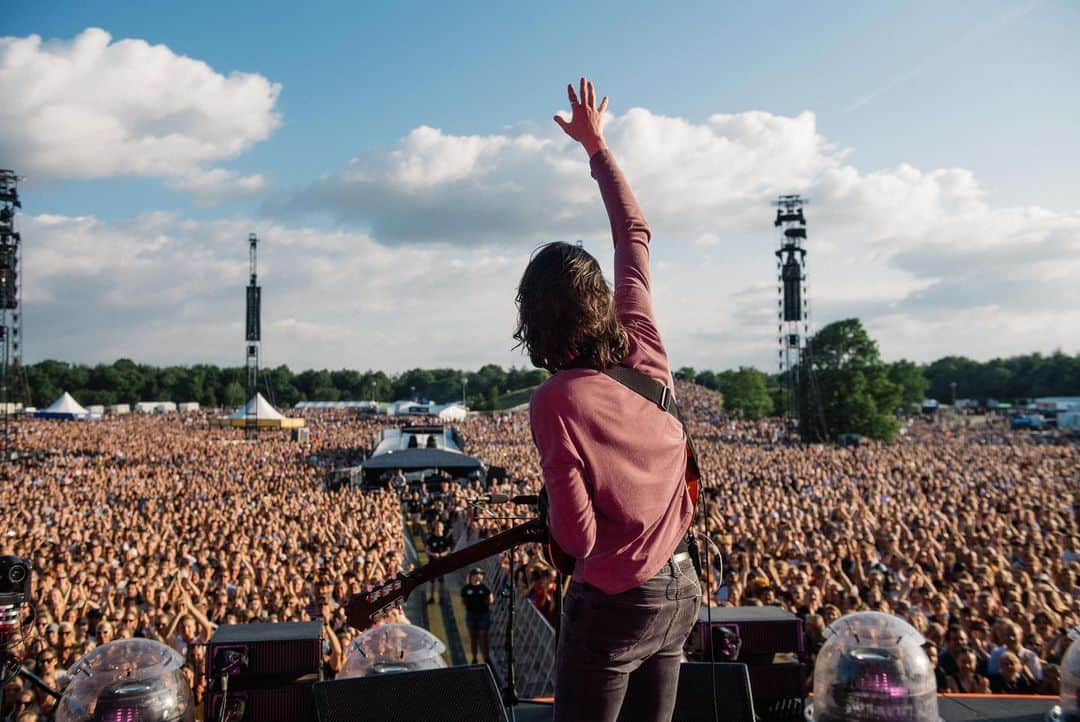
(631,235)
(571,517)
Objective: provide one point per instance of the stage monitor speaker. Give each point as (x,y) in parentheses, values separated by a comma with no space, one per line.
(763,631)
(290,703)
(784,681)
(453,694)
(264,655)
(694,700)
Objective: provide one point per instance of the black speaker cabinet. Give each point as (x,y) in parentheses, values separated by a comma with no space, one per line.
(694,700)
(453,694)
(291,703)
(779,681)
(270,653)
(270,667)
(764,631)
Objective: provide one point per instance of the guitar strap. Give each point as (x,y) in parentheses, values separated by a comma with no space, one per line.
(664,397)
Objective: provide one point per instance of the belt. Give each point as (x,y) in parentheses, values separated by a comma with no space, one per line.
(682,552)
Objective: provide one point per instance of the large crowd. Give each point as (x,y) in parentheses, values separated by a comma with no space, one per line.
(164,527)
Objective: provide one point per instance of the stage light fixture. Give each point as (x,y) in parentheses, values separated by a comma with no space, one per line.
(873,668)
(128,680)
(392,648)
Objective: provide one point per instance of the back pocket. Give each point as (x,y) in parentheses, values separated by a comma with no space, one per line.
(616,629)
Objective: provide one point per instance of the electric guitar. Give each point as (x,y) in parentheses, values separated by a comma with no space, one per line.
(366,607)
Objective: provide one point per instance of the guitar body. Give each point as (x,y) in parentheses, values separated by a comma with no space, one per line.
(557,558)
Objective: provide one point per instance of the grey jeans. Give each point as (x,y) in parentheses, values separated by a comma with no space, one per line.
(622,651)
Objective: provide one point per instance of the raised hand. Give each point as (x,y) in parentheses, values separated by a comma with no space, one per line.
(586,120)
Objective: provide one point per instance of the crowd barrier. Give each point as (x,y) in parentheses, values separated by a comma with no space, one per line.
(534,637)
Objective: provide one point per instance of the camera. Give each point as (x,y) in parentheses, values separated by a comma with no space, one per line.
(14,593)
(14,580)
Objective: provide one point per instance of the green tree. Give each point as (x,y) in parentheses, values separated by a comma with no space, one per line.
(413,384)
(913,384)
(745,393)
(280,379)
(848,389)
(686,373)
(377,386)
(708,379)
(234,394)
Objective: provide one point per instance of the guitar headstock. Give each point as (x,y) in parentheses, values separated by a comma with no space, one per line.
(367,607)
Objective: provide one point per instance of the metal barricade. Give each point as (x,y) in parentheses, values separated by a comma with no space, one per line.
(534,637)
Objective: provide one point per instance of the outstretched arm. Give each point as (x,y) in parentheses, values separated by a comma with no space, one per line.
(629,231)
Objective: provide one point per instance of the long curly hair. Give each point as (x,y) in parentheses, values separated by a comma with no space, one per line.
(566,312)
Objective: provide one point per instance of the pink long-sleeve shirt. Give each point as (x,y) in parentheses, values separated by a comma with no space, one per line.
(613,462)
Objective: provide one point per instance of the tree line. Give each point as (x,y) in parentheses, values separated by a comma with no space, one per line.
(851,388)
(844,385)
(127,382)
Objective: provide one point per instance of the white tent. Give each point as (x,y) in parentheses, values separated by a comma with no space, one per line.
(259,411)
(451,412)
(258,407)
(65,407)
(155,407)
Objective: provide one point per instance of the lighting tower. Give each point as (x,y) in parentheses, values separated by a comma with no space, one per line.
(10,311)
(252,339)
(792,318)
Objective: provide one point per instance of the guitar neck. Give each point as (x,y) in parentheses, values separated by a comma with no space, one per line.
(365,606)
(530,531)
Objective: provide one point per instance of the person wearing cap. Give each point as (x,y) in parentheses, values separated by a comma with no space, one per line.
(478,600)
(52,635)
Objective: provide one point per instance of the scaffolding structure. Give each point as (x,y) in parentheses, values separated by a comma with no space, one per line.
(10,300)
(252,339)
(792,315)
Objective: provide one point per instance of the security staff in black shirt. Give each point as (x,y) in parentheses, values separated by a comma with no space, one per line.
(478,600)
(438,544)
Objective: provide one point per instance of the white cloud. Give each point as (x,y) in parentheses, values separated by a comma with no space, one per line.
(888,244)
(218,185)
(697,178)
(91,108)
(437,229)
(171,290)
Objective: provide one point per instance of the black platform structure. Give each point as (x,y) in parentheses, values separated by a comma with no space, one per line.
(796,370)
(252,338)
(793,313)
(10,311)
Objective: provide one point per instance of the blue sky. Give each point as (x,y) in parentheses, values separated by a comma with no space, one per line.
(977,87)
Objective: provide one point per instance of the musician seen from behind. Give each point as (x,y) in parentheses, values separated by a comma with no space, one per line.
(613,461)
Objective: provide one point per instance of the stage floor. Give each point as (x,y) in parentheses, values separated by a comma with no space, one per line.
(958,708)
